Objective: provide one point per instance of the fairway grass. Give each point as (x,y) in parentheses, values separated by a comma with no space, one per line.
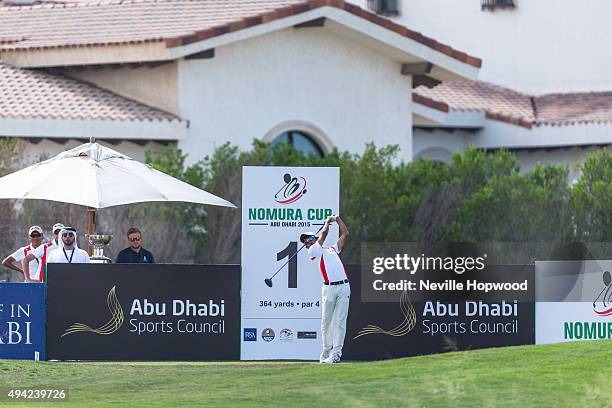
(563,375)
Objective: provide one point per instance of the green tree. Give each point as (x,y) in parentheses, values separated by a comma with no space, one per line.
(480,196)
(517,207)
(9,162)
(468,173)
(591,198)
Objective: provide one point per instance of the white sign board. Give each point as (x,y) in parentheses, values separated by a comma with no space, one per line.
(279,204)
(573,301)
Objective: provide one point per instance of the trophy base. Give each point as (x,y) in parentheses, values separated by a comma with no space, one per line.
(100,260)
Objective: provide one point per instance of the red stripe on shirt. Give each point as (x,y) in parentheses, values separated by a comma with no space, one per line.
(43,260)
(323,270)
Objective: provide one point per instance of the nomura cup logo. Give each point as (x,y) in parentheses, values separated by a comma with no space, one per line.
(114,324)
(602,305)
(293,189)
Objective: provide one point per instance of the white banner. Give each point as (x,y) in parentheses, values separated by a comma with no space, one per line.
(573,301)
(279,204)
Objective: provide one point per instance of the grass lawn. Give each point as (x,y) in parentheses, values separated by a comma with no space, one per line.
(565,375)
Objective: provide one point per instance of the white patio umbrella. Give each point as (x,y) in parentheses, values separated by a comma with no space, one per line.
(98,177)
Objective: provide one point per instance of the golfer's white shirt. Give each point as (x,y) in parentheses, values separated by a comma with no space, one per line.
(58,256)
(21,253)
(328,261)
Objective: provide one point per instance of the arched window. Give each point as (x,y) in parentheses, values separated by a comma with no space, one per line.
(300,141)
(437,154)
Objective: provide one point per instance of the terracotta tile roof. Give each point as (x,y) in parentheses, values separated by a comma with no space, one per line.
(498,103)
(21,3)
(574,108)
(36,94)
(176,22)
(509,106)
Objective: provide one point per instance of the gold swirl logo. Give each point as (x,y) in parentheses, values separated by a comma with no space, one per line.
(402,329)
(113,324)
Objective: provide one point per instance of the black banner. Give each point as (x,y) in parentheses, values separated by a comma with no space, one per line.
(439,322)
(143,312)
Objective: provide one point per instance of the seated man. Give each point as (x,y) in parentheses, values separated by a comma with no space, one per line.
(135,253)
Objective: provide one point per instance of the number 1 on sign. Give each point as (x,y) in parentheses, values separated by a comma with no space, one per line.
(290,250)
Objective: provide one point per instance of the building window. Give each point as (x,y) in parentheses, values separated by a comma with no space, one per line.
(300,141)
(384,7)
(494,4)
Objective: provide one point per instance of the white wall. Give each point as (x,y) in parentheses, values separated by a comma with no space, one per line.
(33,153)
(438,144)
(350,92)
(541,46)
(152,86)
(497,134)
(569,156)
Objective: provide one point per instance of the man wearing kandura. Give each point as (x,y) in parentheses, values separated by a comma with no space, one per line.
(336,290)
(69,251)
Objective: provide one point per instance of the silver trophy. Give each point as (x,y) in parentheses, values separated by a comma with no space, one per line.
(98,242)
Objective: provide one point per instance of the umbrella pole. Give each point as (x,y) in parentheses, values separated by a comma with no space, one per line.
(91,226)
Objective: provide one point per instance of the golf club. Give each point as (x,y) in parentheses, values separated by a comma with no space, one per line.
(268,281)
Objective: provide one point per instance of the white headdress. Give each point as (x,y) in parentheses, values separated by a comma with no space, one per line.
(67,230)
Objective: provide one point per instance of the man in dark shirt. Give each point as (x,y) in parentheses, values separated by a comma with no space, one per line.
(135,253)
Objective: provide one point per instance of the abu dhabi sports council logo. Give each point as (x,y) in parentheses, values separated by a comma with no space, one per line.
(402,329)
(114,324)
(293,189)
(602,305)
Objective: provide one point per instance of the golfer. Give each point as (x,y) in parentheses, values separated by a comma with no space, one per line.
(336,290)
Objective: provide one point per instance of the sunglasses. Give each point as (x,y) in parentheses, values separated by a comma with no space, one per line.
(134,239)
(35,235)
(310,239)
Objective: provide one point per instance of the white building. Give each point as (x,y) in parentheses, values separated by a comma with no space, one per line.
(546,77)
(321,74)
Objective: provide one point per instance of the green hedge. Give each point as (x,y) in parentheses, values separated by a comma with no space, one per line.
(478,197)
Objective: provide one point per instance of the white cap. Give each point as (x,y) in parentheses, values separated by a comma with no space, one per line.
(306,235)
(35,228)
(58,226)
